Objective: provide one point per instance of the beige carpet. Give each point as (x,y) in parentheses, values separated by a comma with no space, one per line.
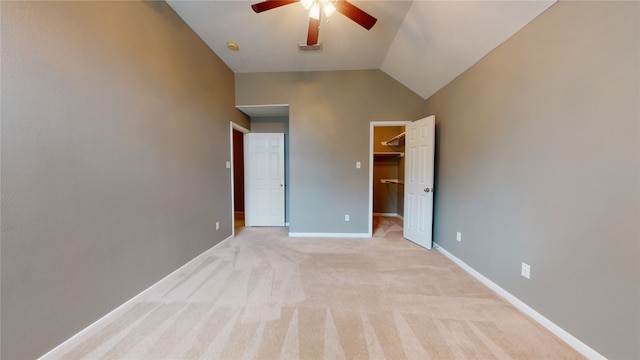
(264,295)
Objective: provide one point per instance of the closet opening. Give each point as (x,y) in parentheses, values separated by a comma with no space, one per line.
(386,199)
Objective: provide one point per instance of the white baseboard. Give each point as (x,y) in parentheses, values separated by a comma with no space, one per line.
(331,235)
(581,347)
(124,307)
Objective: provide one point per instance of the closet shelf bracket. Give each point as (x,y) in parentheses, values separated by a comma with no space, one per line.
(394,141)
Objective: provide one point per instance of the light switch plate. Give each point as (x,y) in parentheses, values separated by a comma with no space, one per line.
(358,164)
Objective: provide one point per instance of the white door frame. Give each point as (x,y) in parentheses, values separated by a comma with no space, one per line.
(372,125)
(233,126)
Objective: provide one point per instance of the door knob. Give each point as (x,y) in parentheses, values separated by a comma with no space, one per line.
(427,189)
(281,185)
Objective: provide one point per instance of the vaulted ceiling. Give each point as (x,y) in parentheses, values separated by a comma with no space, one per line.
(422,44)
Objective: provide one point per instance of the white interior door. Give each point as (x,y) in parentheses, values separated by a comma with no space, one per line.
(264,179)
(418,180)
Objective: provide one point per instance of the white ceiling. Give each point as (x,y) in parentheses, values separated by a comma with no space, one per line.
(422,44)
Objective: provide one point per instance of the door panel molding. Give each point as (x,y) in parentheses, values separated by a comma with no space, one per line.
(420,151)
(264,179)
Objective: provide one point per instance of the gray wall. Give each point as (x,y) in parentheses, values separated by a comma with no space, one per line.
(329,115)
(538,161)
(115,132)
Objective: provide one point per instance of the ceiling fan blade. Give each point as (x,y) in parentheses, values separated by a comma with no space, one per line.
(314,30)
(271,4)
(356,14)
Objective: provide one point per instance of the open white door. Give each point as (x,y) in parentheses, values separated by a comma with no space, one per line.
(418,180)
(264,179)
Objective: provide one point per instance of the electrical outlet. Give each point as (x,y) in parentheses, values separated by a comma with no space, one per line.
(217,225)
(526,270)
(346,217)
(459,236)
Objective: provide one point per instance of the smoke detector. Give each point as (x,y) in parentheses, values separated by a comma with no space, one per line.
(232,45)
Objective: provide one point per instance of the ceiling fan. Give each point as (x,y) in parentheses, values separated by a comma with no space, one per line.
(316,8)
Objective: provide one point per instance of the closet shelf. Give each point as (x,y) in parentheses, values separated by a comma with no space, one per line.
(389,153)
(392,181)
(394,141)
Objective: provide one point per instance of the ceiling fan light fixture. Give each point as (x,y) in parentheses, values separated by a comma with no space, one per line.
(306,4)
(314,12)
(328,8)
(316,8)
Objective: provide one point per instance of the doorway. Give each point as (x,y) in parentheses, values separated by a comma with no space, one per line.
(262,119)
(386,171)
(236,134)
(417,188)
